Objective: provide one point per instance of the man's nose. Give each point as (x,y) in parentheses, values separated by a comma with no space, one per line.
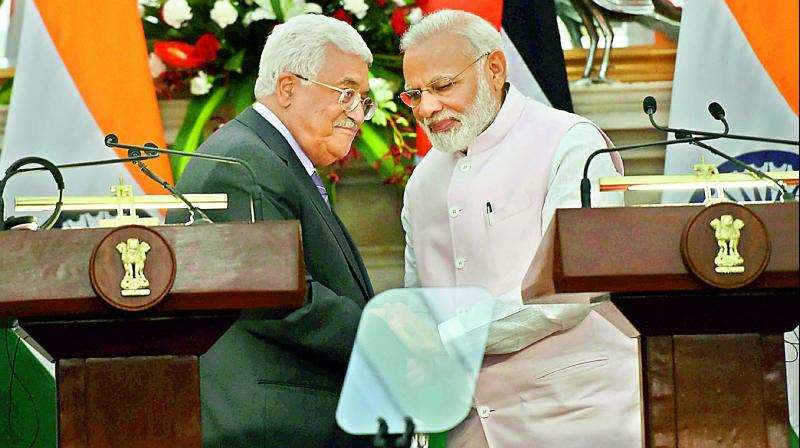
(357,114)
(429,104)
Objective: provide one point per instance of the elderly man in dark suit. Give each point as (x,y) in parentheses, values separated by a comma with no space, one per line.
(276,381)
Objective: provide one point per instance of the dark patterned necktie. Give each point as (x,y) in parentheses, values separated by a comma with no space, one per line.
(320,187)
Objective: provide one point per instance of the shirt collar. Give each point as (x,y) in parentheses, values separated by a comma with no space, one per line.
(507,116)
(276,122)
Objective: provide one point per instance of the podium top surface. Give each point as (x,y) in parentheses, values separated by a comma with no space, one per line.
(220,267)
(639,250)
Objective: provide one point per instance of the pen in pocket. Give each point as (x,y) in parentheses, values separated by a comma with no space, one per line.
(489,213)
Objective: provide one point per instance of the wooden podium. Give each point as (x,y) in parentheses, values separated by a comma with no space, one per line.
(132,378)
(712,359)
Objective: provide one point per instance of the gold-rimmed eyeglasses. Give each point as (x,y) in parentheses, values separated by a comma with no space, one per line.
(349,99)
(438,87)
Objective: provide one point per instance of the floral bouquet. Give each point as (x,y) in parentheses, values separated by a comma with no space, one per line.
(210,50)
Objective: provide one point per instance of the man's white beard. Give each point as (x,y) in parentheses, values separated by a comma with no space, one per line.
(474,121)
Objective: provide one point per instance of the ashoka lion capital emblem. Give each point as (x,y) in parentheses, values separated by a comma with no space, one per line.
(728,231)
(133,255)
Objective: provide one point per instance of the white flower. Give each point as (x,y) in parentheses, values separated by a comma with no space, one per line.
(358,8)
(414,16)
(289,8)
(293,8)
(141,4)
(176,13)
(224,13)
(201,84)
(381,89)
(157,66)
(258,14)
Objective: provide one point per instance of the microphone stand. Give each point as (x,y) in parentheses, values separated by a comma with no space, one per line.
(692,132)
(586,192)
(758,173)
(192,208)
(135,157)
(93,163)
(112,141)
(692,137)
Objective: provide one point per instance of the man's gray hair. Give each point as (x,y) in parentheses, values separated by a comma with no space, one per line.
(480,33)
(298,46)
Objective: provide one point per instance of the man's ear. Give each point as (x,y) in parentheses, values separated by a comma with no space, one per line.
(496,65)
(284,89)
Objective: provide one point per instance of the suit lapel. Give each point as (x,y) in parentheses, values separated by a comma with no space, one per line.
(278,144)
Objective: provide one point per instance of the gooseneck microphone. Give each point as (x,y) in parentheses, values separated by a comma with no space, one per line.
(716,111)
(692,137)
(256,214)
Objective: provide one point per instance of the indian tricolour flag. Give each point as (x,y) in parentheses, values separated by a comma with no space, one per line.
(81,72)
(744,55)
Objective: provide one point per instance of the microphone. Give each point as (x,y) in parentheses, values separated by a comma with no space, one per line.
(692,137)
(649,106)
(256,213)
(718,113)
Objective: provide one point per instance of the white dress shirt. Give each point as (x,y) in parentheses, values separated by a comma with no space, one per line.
(277,124)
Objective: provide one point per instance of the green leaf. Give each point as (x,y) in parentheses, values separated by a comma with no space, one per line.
(390,105)
(191,133)
(276,8)
(401,121)
(373,147)
(234,64)
(5,91)
(379,118)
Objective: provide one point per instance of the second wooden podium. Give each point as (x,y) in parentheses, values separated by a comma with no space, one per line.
(712,341)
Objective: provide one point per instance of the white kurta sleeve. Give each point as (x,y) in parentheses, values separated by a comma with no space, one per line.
(563,189)
(411,275)
(515,326)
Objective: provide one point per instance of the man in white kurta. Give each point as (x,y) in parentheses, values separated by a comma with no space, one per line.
(474,213)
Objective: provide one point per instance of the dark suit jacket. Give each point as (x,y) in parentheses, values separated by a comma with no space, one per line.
(275,381)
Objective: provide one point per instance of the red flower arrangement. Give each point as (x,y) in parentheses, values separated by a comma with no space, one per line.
(182,55)
(212,48)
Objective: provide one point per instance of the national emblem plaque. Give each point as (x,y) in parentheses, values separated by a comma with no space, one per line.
(132,268)
(725,245)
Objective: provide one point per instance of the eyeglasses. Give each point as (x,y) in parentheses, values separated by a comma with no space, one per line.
(412,97)
(349,99)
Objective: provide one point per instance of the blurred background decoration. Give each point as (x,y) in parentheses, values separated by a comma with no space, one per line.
(209,50)
(592,16)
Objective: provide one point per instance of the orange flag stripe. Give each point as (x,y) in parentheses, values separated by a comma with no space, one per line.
(491,10)
(771,29)
(104,50)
